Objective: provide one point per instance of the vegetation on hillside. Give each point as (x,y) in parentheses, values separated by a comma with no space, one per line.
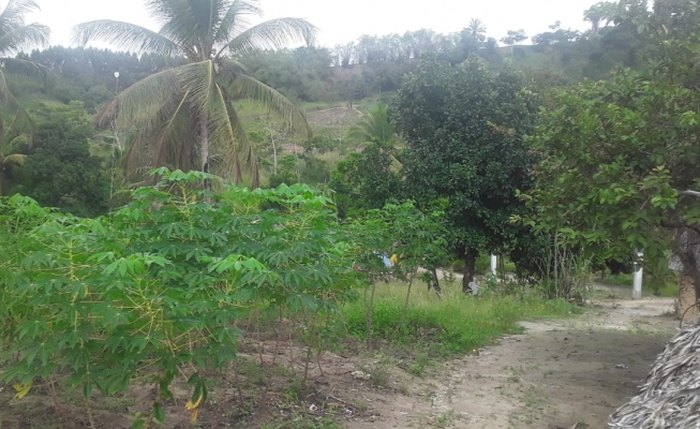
(372,166)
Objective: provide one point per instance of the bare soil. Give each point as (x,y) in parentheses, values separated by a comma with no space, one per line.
(336,117)
(557,374)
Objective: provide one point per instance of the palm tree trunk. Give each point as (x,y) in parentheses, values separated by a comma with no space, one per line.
(203,135)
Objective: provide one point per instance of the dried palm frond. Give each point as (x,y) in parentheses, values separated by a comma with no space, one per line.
(670,395)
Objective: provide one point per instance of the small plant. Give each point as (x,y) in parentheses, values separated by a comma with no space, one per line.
(379,372)
(418,366)
(445,420)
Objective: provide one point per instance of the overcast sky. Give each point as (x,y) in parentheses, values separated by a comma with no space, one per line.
(341,21)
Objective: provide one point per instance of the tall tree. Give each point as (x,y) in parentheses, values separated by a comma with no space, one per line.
(477,29)
(15,35)
(514,37)
(634,141)
(602,12)
(463,127)
(184,117)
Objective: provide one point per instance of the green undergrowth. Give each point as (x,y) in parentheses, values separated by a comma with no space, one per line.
(446,325)
(664,286)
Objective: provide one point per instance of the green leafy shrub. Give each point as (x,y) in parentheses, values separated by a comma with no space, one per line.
(155,289)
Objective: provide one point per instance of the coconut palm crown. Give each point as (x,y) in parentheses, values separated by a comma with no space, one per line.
(15,35)
(184,117)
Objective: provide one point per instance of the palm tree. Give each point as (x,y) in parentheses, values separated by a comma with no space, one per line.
(599,12)
(15,35)
(184,117)
(477,29)
(374,127)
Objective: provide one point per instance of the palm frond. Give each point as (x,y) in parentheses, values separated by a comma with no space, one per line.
(245,86)
(15,117)
(191,29)
(18,65)
(13,14)
(16,159)
(171,145)
(24,37)
(230,142)
(145,105)
(235,20)
(126,36)
(166,10)
(374,127)
(198,79)
(274,34)
(231,66)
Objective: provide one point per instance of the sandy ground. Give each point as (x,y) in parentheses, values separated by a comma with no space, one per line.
(557,374)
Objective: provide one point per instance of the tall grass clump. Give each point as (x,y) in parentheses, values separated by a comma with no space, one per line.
(448,324)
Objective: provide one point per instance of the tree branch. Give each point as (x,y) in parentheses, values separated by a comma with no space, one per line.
(689,193)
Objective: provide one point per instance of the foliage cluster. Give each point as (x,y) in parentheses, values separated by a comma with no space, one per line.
(463,128)
(154,290)
(60,169)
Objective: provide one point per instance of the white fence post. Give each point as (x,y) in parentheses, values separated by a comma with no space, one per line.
(494,264)
(638,274)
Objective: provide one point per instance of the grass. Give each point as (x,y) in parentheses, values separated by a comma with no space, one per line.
(669,290)
(445,325)
(666,287)
(621,279)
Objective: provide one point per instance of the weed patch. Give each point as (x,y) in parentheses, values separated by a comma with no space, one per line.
(446,325)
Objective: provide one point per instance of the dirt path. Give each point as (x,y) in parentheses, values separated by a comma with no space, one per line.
(558,374)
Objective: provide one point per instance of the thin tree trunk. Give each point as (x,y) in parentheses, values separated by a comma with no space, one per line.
(436,282)
(556,265)
(203,134)
(408,295)
(688,251)
(687,311)
(469,269)
(369,315)
(2,175)
(274,154)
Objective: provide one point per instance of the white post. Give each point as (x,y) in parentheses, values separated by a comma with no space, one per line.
(494,264)
(638,274)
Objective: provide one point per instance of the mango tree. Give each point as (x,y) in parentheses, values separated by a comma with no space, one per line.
(463,127)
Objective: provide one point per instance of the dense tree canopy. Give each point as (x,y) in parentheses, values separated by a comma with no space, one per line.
(59,170)
(464,127)
(633,141)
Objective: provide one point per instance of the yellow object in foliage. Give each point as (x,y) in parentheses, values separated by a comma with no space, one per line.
(394,259)
(193,407)
(22,390)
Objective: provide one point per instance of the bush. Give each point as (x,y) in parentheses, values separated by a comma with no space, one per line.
(155,289)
